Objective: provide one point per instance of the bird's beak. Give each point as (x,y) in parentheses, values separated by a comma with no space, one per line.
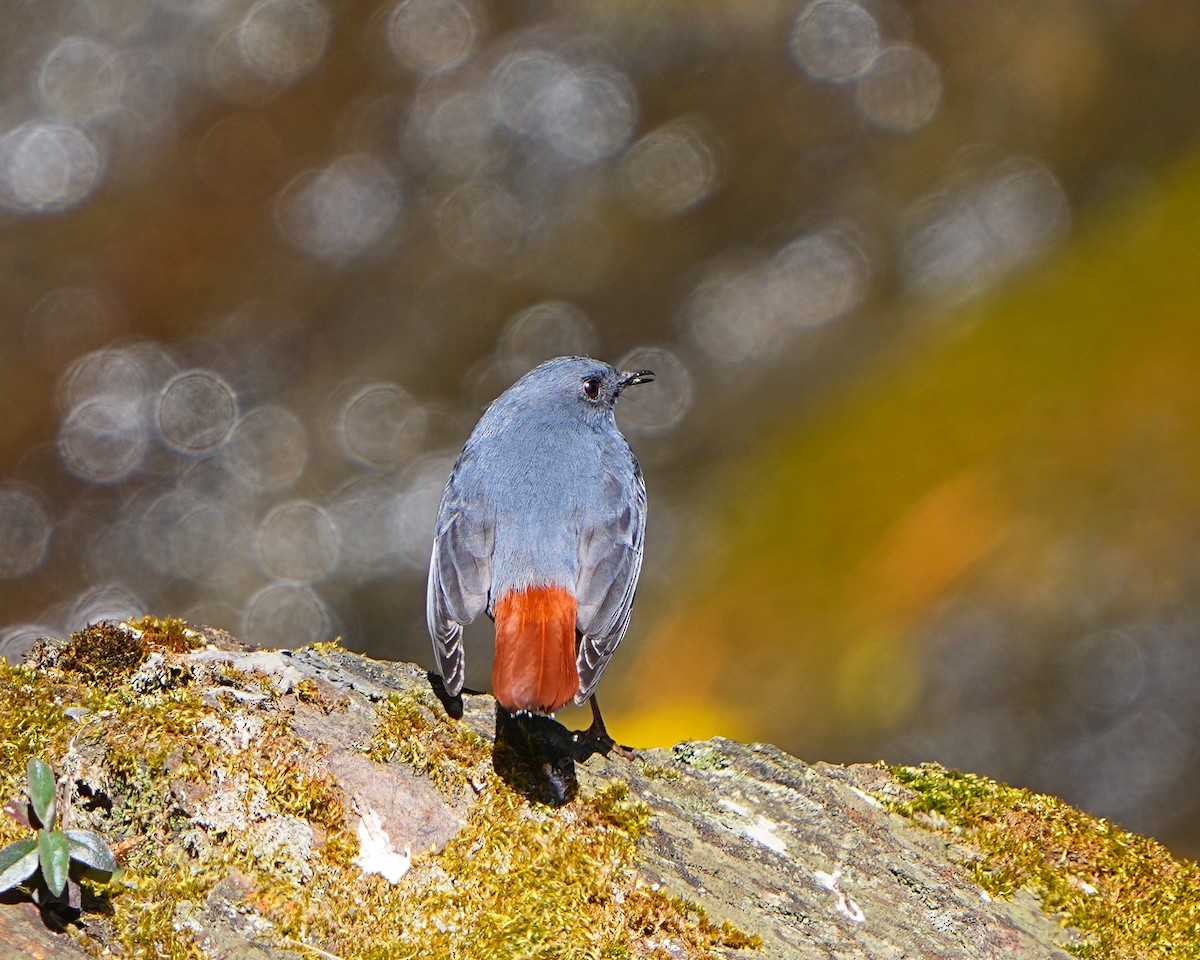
(638,376)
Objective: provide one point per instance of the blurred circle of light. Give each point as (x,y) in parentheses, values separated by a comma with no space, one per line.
(24,533)
(104,602)
(196,411)
(519,81)
(281,40)
(380,425)
(729,318)
(902,91)
(670,169)
(584,115)
(1120,766)
(298,542)
(155,524)
(431,36)
(206,478)
(459,133)
(415,511)
(285,615)
(554,328)
(202,540)
(112,372)
(659,406)
(18,639)
(834,40)
(147,107)
(69,318)
(814,280)
(340,212)
(1109,670)
(254,346)
(103,440)
(480,223)
(591,116)
(46,166)
(80,78)
(117,17)
(268,449)
(111,553)
(959,241)
(363,512)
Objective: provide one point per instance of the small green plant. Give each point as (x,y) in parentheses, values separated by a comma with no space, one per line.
(54,859)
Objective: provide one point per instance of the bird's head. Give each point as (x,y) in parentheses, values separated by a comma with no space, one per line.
(591,384)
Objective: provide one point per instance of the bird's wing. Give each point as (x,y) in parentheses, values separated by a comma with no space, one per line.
(610,560)
(460,576)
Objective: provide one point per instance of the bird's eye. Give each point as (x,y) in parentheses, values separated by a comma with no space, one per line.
(591,387)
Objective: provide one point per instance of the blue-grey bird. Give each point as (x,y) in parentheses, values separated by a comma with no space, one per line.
(542,525)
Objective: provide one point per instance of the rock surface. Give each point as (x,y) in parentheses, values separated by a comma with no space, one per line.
(806,857)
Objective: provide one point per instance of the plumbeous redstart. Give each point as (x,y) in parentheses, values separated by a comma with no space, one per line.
(542,525)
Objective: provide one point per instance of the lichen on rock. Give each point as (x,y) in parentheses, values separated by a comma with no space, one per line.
(237,785)
(233,782)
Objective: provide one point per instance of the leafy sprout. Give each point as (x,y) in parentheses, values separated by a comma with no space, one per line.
(52,859)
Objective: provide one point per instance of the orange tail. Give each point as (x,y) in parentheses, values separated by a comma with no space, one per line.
(535,650)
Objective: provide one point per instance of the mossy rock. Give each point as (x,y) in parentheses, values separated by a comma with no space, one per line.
(317,803)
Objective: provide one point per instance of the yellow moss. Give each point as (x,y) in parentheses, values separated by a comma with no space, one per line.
(410,730)
(32,724)
(309,692)
(103,655)
(519,880)
(1125,893)
(145,916)
(170,633)
(293,779)
(660,919)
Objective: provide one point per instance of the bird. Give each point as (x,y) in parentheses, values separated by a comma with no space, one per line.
(542,526)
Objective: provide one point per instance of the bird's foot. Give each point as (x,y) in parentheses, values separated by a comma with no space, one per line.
(596,739)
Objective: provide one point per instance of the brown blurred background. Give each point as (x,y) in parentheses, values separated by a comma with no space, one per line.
(921,283)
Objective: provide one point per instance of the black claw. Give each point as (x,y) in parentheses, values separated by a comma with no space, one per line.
(452,702)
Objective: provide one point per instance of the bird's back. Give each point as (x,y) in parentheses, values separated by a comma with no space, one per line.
(541,525)
(543,480)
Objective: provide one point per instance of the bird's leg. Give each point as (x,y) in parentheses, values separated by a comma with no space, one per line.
(597,737)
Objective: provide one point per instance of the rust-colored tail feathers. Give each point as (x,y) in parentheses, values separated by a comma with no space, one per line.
(535,650)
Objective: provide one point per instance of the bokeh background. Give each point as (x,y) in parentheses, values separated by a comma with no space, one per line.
(920,280)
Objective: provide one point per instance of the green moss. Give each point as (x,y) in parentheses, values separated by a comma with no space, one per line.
(614,806)
(1125,893)
(682,922)
(657,771)
(186,784)
(169,633)
(32,723)
(412,731)
(103,656)
(294,780)
(519,880)
(145,918)
(309,692)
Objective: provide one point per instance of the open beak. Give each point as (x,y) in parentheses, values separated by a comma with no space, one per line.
(638,376)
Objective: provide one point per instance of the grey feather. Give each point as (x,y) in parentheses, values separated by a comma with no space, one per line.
(546,492)
(610,561)
(460,574)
